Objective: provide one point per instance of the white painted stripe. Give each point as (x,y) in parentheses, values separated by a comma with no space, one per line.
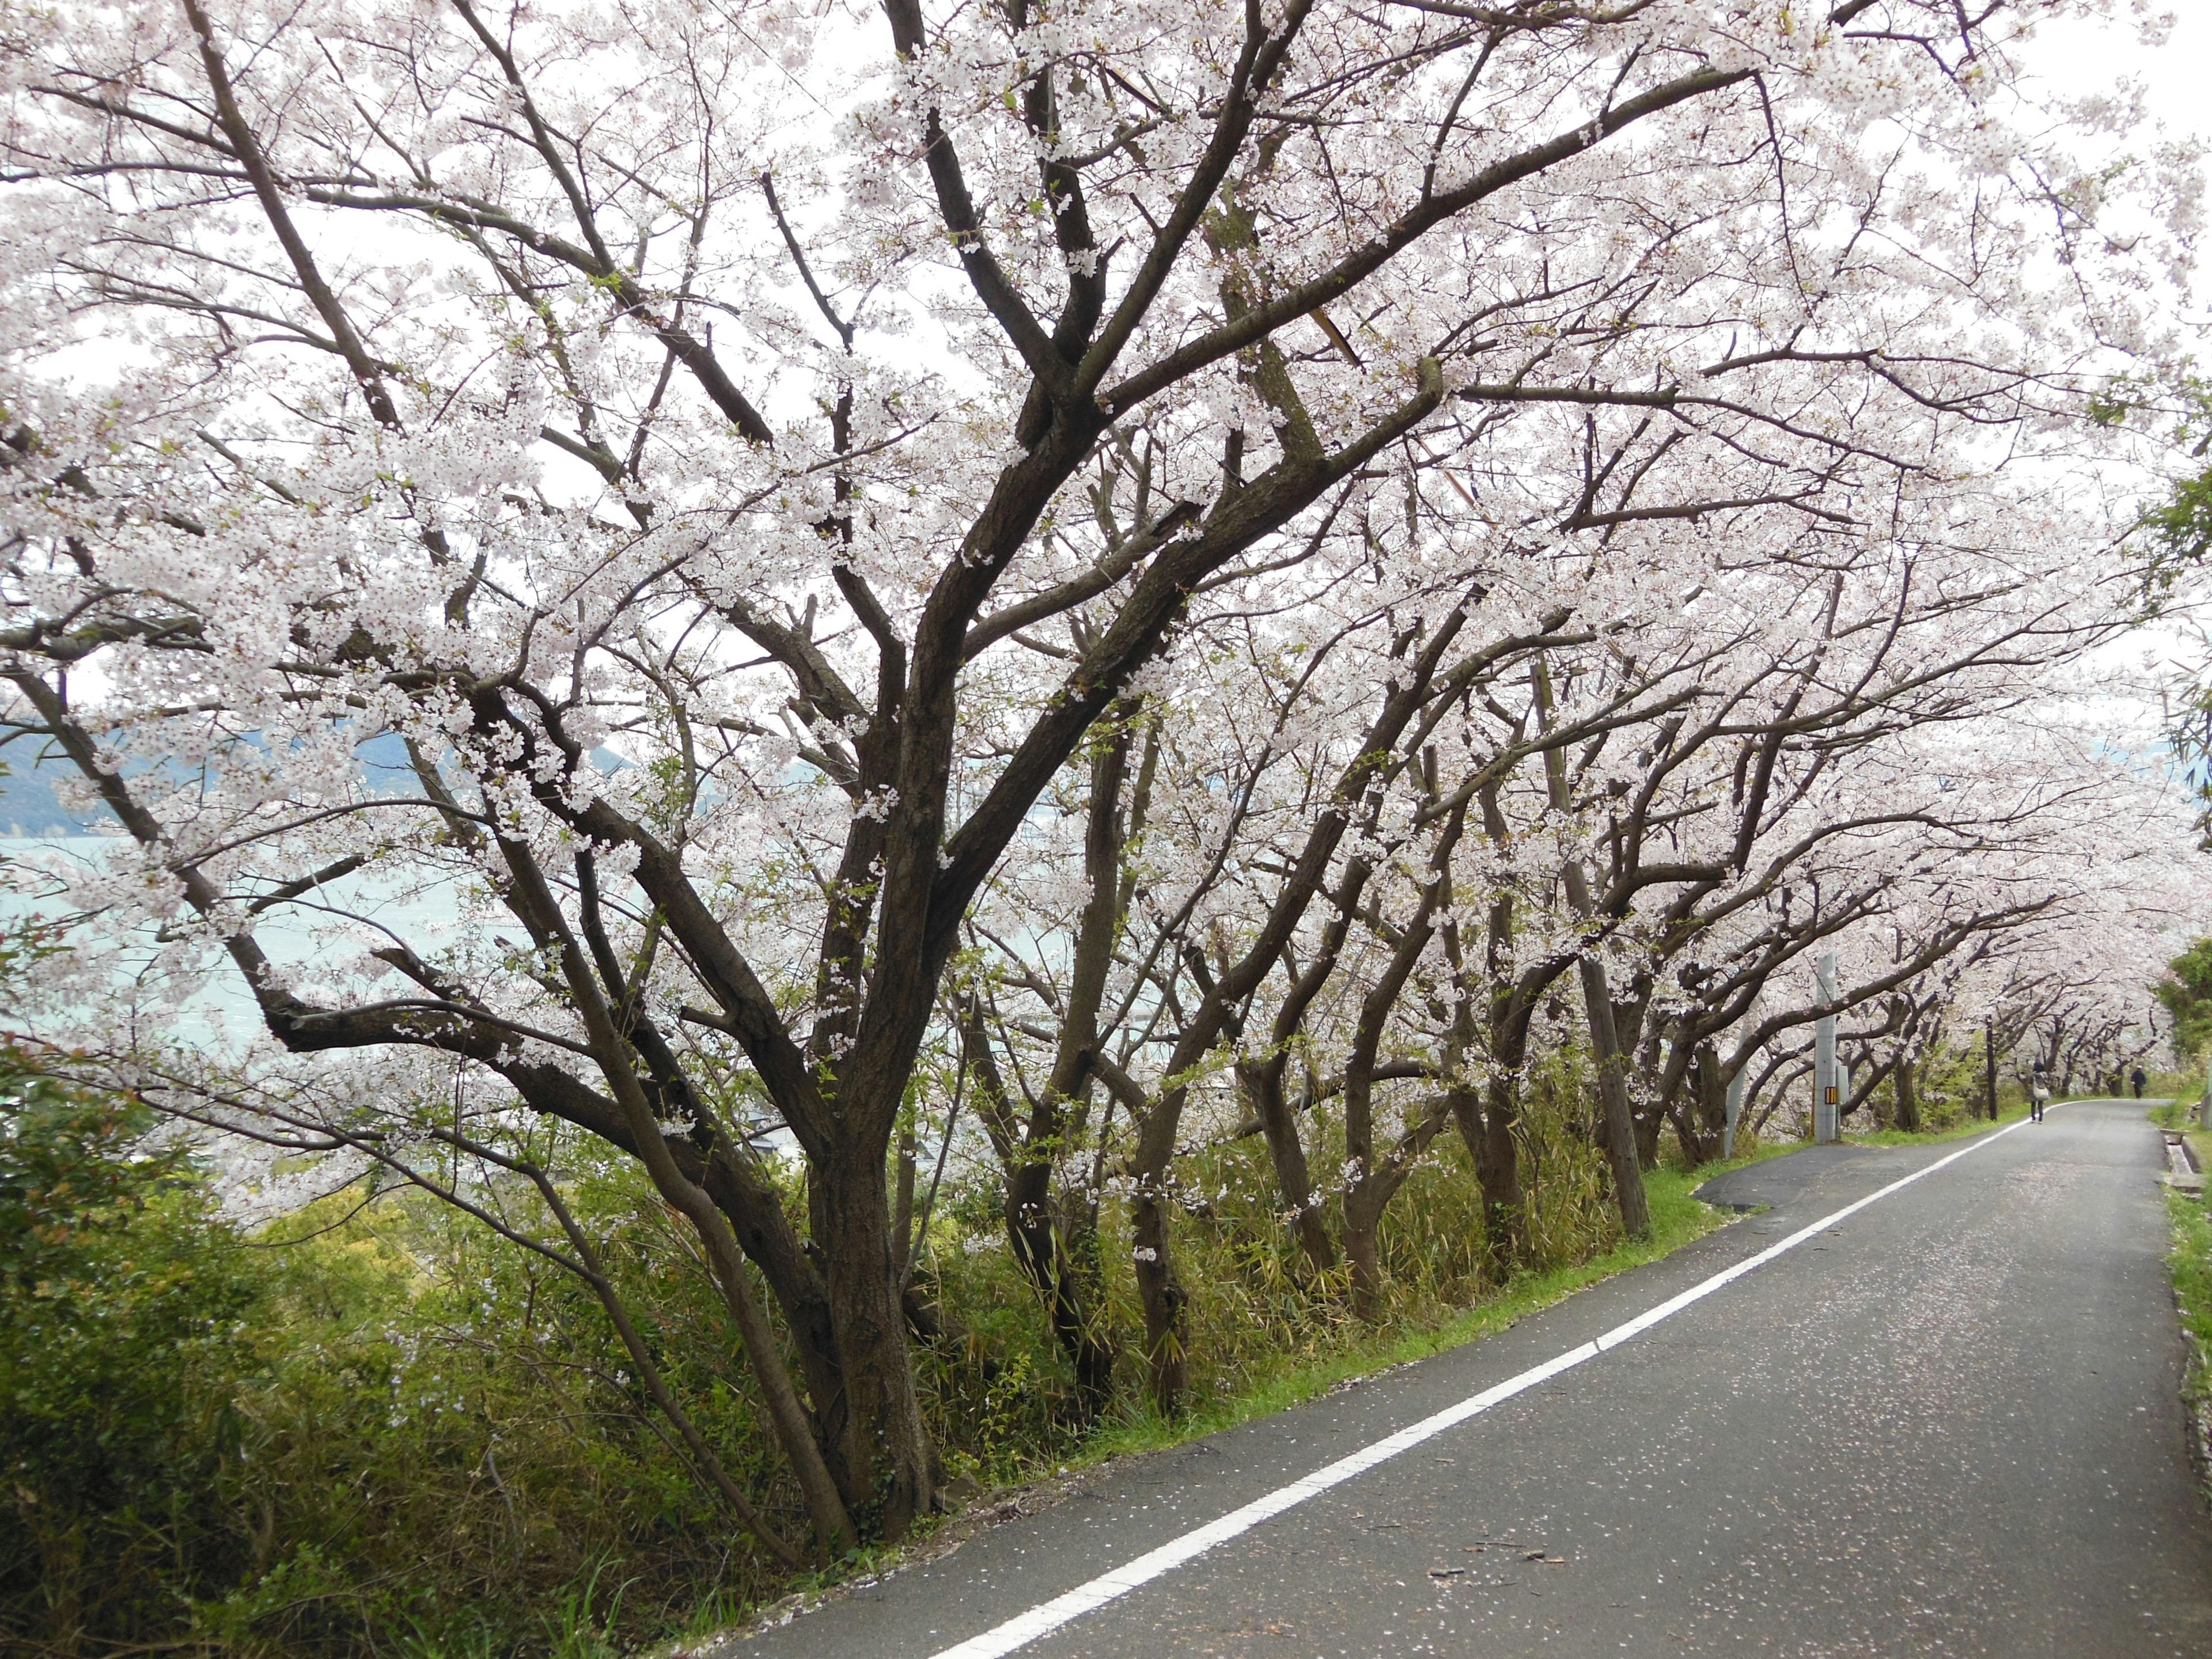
(1048,1616)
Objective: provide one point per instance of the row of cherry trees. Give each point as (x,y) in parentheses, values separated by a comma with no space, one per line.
(1634,841)
(742,578)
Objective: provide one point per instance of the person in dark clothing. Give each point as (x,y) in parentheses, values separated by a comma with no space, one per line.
(2137,1078)
(2039,1094)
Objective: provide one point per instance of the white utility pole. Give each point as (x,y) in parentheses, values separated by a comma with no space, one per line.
(1827,1099)
(1736,1084)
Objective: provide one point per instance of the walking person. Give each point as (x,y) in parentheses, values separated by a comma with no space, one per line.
(2039,1095)
(2137,1078)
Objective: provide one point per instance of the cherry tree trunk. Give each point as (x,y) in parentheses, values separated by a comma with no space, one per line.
(1488,1129)
(1263,1087)
(1053,1262)
(1711,1112)
(1079,1324)
(1646,1125)
(1166,1358)
(1908,1097)
(1362,1249)
(887,1461)
(1618,1120)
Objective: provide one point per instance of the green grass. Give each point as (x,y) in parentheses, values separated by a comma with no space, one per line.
(2189,1260)
(2175,1114)
(1677,1220)
(2192,1261)
(1929,1137)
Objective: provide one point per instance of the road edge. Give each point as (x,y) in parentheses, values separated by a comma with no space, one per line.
(1327,1374)
(2189,1273)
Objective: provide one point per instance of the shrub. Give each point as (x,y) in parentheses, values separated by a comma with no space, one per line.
(127,1314)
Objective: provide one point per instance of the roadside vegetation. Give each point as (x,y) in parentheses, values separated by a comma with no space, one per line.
(2191,1261)
(373,1427)
(2185,992)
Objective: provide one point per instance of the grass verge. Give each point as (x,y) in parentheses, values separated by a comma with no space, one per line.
(2189,1258)
(2180,1116)
(1677,1220)
(1971,1125)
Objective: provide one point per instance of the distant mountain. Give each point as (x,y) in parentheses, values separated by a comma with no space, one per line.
(29,805)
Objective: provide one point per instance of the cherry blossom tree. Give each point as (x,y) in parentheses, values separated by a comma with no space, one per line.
(690,482)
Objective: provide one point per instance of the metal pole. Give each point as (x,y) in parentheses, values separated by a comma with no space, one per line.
(1736,1084)
(1990,1062)
(1827,1124)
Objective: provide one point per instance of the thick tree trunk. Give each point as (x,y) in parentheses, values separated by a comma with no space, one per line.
(1648,1124)
(887,1454)
(1488,1129)
(1263,1089)
(1362,1249)
(1908,1097)
(1710,1114)
(1489,1126)
(1161,1292)
(1618,1121)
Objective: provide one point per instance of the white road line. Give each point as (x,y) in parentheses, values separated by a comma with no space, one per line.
(1048,1616)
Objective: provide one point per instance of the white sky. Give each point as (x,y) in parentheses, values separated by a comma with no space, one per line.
(2080,59)
(2179,76)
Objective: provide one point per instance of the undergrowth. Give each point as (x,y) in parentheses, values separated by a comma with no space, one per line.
(376,1428)
(1677,1220)
(2189,1258)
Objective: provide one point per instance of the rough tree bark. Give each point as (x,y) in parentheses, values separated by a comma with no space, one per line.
(1608,1061)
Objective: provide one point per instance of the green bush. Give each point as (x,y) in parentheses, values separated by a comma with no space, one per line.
(377,1427)
(369,1425)
(127,1314)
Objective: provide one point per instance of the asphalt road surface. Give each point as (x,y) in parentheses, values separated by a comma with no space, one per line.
(1949,1425)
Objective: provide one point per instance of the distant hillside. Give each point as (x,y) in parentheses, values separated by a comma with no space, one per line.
(30,806)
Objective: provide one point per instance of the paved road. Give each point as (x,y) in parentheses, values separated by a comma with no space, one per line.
(1949,1427)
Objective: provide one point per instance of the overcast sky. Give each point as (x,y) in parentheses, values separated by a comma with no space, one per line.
(2178,75)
